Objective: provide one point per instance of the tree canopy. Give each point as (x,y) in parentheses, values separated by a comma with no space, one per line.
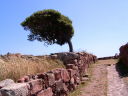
(49,26)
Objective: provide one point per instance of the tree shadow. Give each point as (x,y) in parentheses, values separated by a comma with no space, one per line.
(122,69)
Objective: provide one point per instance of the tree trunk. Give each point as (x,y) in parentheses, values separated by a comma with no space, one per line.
(70,46)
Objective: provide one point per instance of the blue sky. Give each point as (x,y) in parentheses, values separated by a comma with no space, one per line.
(101,26)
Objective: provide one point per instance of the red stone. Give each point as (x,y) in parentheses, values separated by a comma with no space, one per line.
(57,74)
(35,86)
(46,92)
(72,85)
(72,72)
(65,75)
(61,73)
(51,78)
(61,88)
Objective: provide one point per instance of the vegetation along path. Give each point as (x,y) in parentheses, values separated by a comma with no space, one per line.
(104,81)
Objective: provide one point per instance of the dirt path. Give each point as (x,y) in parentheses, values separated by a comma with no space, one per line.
(116,86)
(98,82)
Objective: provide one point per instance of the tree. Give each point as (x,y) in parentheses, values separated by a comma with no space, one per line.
(49,26)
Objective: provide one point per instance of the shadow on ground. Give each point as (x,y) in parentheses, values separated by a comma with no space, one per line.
(122,69)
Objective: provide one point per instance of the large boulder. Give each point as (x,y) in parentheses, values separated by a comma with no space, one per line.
(124,54)
(20,89)
(6,82)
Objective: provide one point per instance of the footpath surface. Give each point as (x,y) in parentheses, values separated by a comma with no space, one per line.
(97,85)
(105,81)
(116,86)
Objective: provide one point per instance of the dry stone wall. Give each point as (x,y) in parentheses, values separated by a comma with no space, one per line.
(57,82)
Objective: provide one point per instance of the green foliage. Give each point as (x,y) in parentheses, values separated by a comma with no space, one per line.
(49,26)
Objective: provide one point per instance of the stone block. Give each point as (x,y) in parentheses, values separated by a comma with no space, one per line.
(61,73)
(35,86)
(16,89)
(6,82)
(44,78)
(46,92)
(72,85)
(61,88)
(60,85)
(51,78)
(57,74)
(72,72)
(65,75)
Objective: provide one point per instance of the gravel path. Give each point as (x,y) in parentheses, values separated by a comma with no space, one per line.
(116,86)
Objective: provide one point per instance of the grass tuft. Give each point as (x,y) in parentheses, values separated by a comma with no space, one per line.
(14,67)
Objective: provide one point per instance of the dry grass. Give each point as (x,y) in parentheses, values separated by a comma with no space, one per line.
(15,67)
